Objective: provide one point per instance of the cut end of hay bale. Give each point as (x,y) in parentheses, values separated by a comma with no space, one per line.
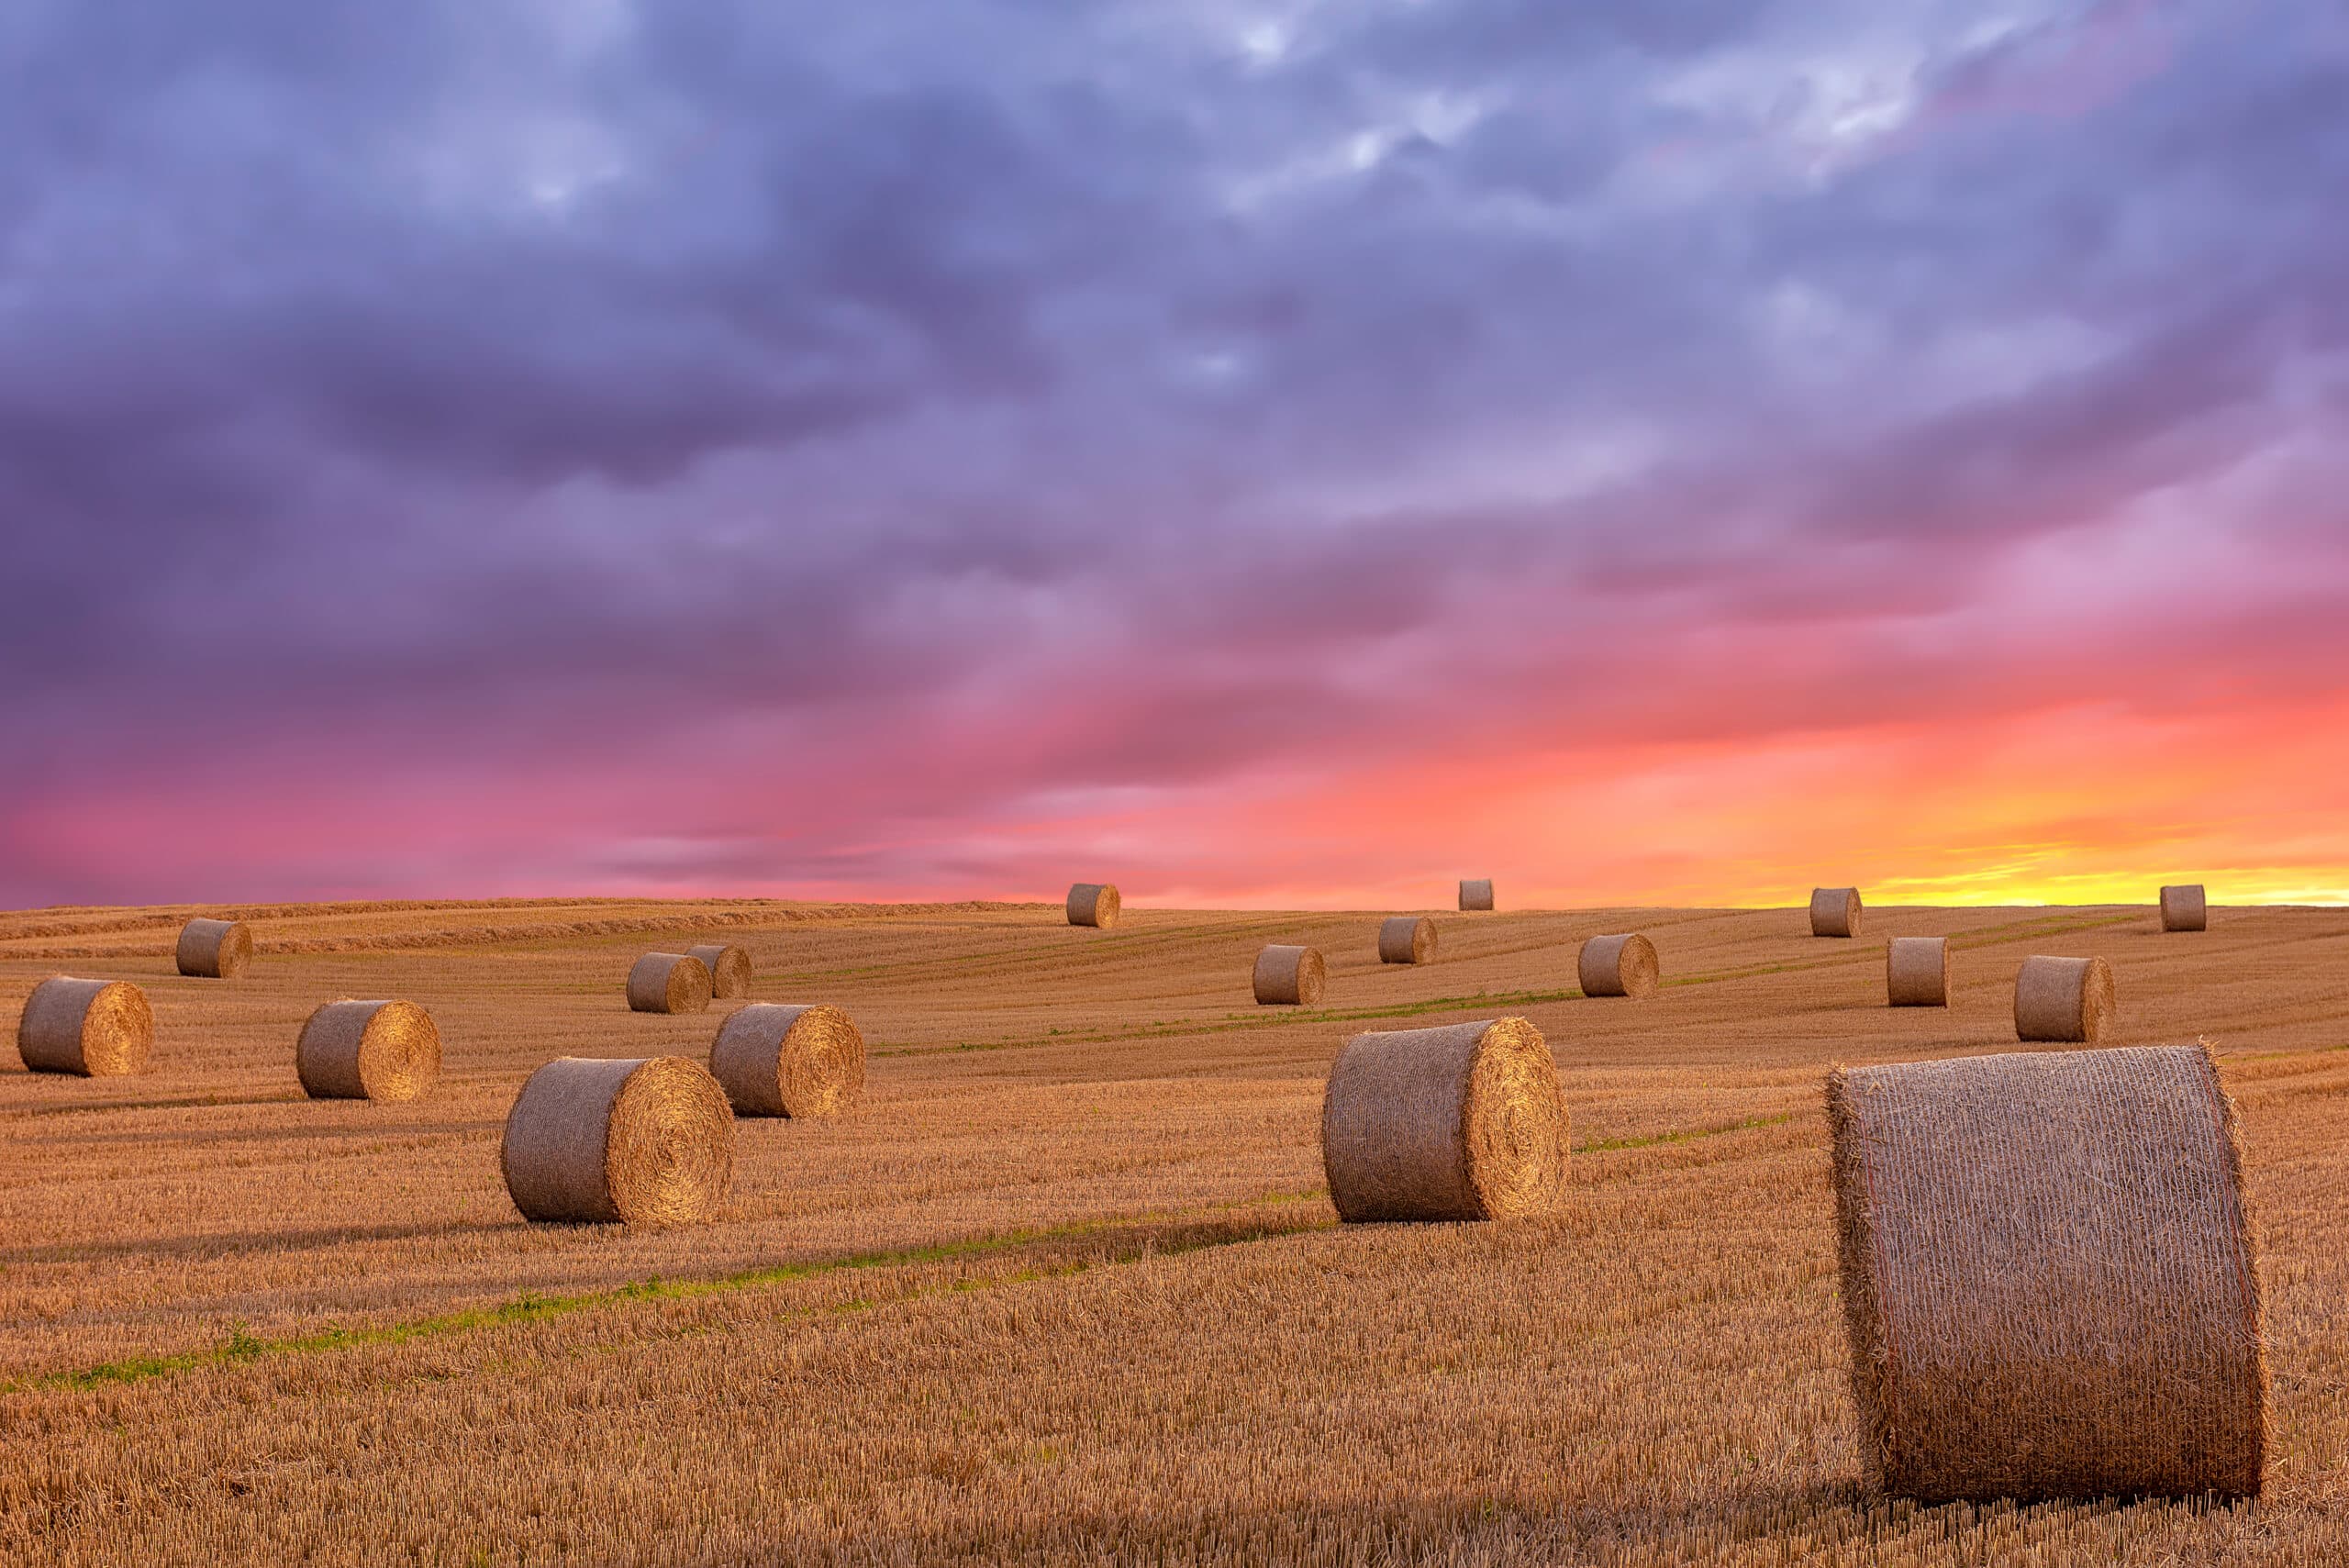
(1465,1121)
(1406,939)
(93,1028)
(1093,904)
(1289,976)
(668,982)
(1619,966)
(639,1142)
(2048,1281)
(215,950)
(2062,1000)
(777,1060)
(2185,909)
(1916,971)
(368,1051)
(728,966)
(1477,894)
(1835,912)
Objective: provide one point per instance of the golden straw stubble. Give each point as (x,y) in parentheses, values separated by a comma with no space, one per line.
(95,1028)
(775,1058)
(1406,939)
(668,982)
(213,949)
(1093,904)
(1288,976)
(2185,909)
(1617,966)
(643,1142)
(1464,1121)
(1476,892)
(2062,1000)
(728,966)
(368,1051)
(1916,971)
(1835,912)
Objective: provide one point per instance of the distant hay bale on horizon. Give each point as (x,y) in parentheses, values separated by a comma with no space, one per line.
(92,1028)
(1916,971)
(1406,939)
(1289,976)
(1093,904)
(668,982)
(1835,912)
(1463,1121)
(778,1059)
(728,966)
(215,950)
(2062,1000)
(385,1050)
(647,1142)
(2049,1283)
(2185,909)
(1477,894)
(1619,966)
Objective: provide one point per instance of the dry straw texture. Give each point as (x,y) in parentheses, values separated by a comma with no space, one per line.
(1406,939)
(1289,976)
(2047,1276)
(2185,909)
(1093,904)
(1617,966)
(1461,1122)
(774,1060)
(1476,895)
(215,950)
(1916,971)
(98,1028)
(644,1143)
(668,982)
(1835,912)
(368,1051)
(2068,1000)
(728,966)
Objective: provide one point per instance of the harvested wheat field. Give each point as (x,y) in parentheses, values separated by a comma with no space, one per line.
(1067,1284)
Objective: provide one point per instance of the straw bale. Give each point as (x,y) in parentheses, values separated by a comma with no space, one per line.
(668,982)
(215,950)
(1619,966)
(643,1142)
(1465,1121)
(98,1028)
(368,1051)
(728,966)
(2185,909)
(1916,971)
(1289,976)
(1406,939)
(1093,904)
(2063,999)
(777,1060)
(1476,895)
(1835,912)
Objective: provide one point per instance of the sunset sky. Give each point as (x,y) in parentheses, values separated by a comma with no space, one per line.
(1255,452)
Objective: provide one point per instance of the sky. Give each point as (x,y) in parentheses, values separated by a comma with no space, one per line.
(1259,453)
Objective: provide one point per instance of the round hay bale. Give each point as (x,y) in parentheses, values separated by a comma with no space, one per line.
(668,982)
(1617,966)
(1406,939)
(773,1060)
(1476,895)
(1093,904)
(1465,1121)
(1834,911)
(1289,976)
(2185,909)
(98,1028)
(1916,971)
(643,1142)
(728,966)
(2063,999)
(215,950)
(368,1051)
(2048,1281)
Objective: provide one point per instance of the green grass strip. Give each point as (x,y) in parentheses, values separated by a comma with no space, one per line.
(1656,1140)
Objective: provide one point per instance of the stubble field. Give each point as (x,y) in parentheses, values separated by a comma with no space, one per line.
(1069,1286)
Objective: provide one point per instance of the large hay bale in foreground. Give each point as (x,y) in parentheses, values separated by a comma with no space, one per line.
(1289,976)
(215,950)
(1476,895)
(368,1051)
(1916,971)
(2048,1280)
(2063,999)
(1093,904)
(1617,966)
(778,1060)
(98,1028)
(668,982)
(2185,909)
(643,1142)
(728,966)
(1465,1121)
(1406,939)
(1834,911)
